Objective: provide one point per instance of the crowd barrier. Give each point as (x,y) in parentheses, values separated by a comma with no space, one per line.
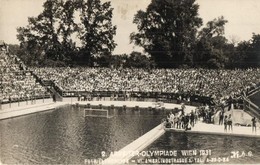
(20,103)
(253,90)
(72,96)
(138,96)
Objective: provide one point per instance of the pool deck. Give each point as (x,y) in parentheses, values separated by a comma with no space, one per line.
(28,109)
(39,107)
(204,128)
(132,104)
(125,154)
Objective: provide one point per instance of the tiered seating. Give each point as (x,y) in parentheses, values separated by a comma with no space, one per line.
(16,83)
(217,84)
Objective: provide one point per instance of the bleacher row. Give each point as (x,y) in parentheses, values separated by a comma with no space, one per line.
(216,84)
(17,84)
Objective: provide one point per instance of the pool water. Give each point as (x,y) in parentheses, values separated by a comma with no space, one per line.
(64,136)
(208,149)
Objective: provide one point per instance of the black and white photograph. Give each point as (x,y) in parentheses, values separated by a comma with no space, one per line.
(114,82)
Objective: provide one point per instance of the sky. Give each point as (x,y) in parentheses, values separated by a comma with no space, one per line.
(243,18)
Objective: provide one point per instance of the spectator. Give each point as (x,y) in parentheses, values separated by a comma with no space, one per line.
(229,123)
(253,124)
(221,116)
(192,118)
(225,123)
(17,84)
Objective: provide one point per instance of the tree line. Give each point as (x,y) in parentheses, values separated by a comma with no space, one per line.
(170,32)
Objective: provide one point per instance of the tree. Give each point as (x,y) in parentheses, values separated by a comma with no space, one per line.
(96,29)
(139,60)
(241,52)
(167,31)
(49,36)
(246,53)
(40,38)
(234,40)
(230,50)
(118,61)
(211,45)
(66,28)
(252,58)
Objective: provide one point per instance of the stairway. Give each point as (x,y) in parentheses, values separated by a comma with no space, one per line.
(255,98)
(52,88)
(251,108)
(56,94)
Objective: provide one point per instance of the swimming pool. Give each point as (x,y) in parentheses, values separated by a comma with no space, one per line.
(64,136)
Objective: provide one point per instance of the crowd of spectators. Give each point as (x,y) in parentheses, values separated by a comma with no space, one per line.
(17,84)
(216,84)
(183,120)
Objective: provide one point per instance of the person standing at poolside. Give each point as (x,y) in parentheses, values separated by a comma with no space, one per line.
(229,122)
(175,121)
(179,125)
(192,118)
(183,108)
(253,124)
(221,116)
(225,123)
(172,119)
(54,98)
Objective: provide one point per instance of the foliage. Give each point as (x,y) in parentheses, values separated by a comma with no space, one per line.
(167,31)
(97,31)
(49,36)
(133,60)
(211,44)
(139,60)
(80,32)
(253,57)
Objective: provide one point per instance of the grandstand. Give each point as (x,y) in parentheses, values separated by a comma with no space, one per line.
(186,84)
(16,82)
(212,87)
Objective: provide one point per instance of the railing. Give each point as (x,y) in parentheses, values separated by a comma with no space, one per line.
(253,91)
(251,108)
(49,84)
(21,99)
(24,102)
(140,96)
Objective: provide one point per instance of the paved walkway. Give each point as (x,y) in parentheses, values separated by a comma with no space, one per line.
(39,107)
(132,104)
(125,154)
(28,109)
(203,128)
